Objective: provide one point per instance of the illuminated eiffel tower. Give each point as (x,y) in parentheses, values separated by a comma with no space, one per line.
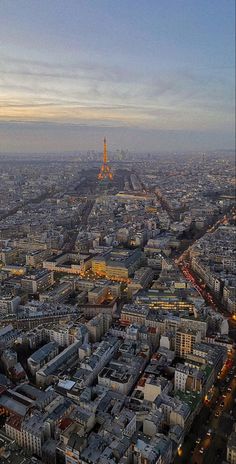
(105,170)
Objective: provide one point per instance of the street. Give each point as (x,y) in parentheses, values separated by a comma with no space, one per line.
(207,439)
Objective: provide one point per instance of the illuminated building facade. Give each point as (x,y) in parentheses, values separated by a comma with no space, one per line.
(117,264)
(166,301)
(185,340)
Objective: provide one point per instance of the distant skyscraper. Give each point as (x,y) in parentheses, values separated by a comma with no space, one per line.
(105,171)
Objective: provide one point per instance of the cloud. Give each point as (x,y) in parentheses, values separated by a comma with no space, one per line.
(92,93)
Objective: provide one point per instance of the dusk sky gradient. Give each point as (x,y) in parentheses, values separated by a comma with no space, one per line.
(151,75)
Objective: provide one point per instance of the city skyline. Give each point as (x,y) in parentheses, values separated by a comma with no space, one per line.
(117,308)
(160,77)
(117,232)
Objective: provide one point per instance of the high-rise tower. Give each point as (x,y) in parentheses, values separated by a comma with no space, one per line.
(105,171)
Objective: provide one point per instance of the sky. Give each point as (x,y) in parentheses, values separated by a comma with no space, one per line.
(151,75)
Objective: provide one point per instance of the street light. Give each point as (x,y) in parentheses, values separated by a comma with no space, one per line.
(180,451)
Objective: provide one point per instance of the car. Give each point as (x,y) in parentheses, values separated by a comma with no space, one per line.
(217,414)
(201,451)
(209,432)
(198,441)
